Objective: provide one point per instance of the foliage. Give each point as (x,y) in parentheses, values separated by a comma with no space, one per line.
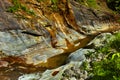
(108,68)
(54,5)
(114,5)
(18,6)
(54,1)
(90,3)
(115,42)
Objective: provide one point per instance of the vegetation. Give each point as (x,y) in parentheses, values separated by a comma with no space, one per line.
(90,3)
(18,6)
(107,68)
(54,5)
(114,5)
(115,42)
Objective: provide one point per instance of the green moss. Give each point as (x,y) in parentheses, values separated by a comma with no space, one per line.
(54,5)
(18,6)
(92,3)
(31,12)
(54,1)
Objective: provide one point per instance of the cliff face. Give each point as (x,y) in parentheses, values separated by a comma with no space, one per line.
(40,34)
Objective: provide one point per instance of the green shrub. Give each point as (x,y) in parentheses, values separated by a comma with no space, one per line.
(108,68)
(115,42)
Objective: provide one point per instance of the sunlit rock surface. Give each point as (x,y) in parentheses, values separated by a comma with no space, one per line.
(74,69)
(70,71)
(39,36)
(76,56)
(54,74)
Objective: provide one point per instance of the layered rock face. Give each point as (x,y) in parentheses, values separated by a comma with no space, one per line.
(41,35)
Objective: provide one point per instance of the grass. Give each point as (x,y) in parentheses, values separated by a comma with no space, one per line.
(18,6)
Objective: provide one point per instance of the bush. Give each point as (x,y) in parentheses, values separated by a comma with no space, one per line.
(108,68)
(114,5)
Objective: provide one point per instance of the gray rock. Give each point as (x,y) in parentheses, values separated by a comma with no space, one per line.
(32,76)
(54,74)
(70,71)
(14,42)
(76,56)
(100,40)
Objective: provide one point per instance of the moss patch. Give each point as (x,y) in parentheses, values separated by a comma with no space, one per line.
(89,3)
(17,6)
(92,3)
